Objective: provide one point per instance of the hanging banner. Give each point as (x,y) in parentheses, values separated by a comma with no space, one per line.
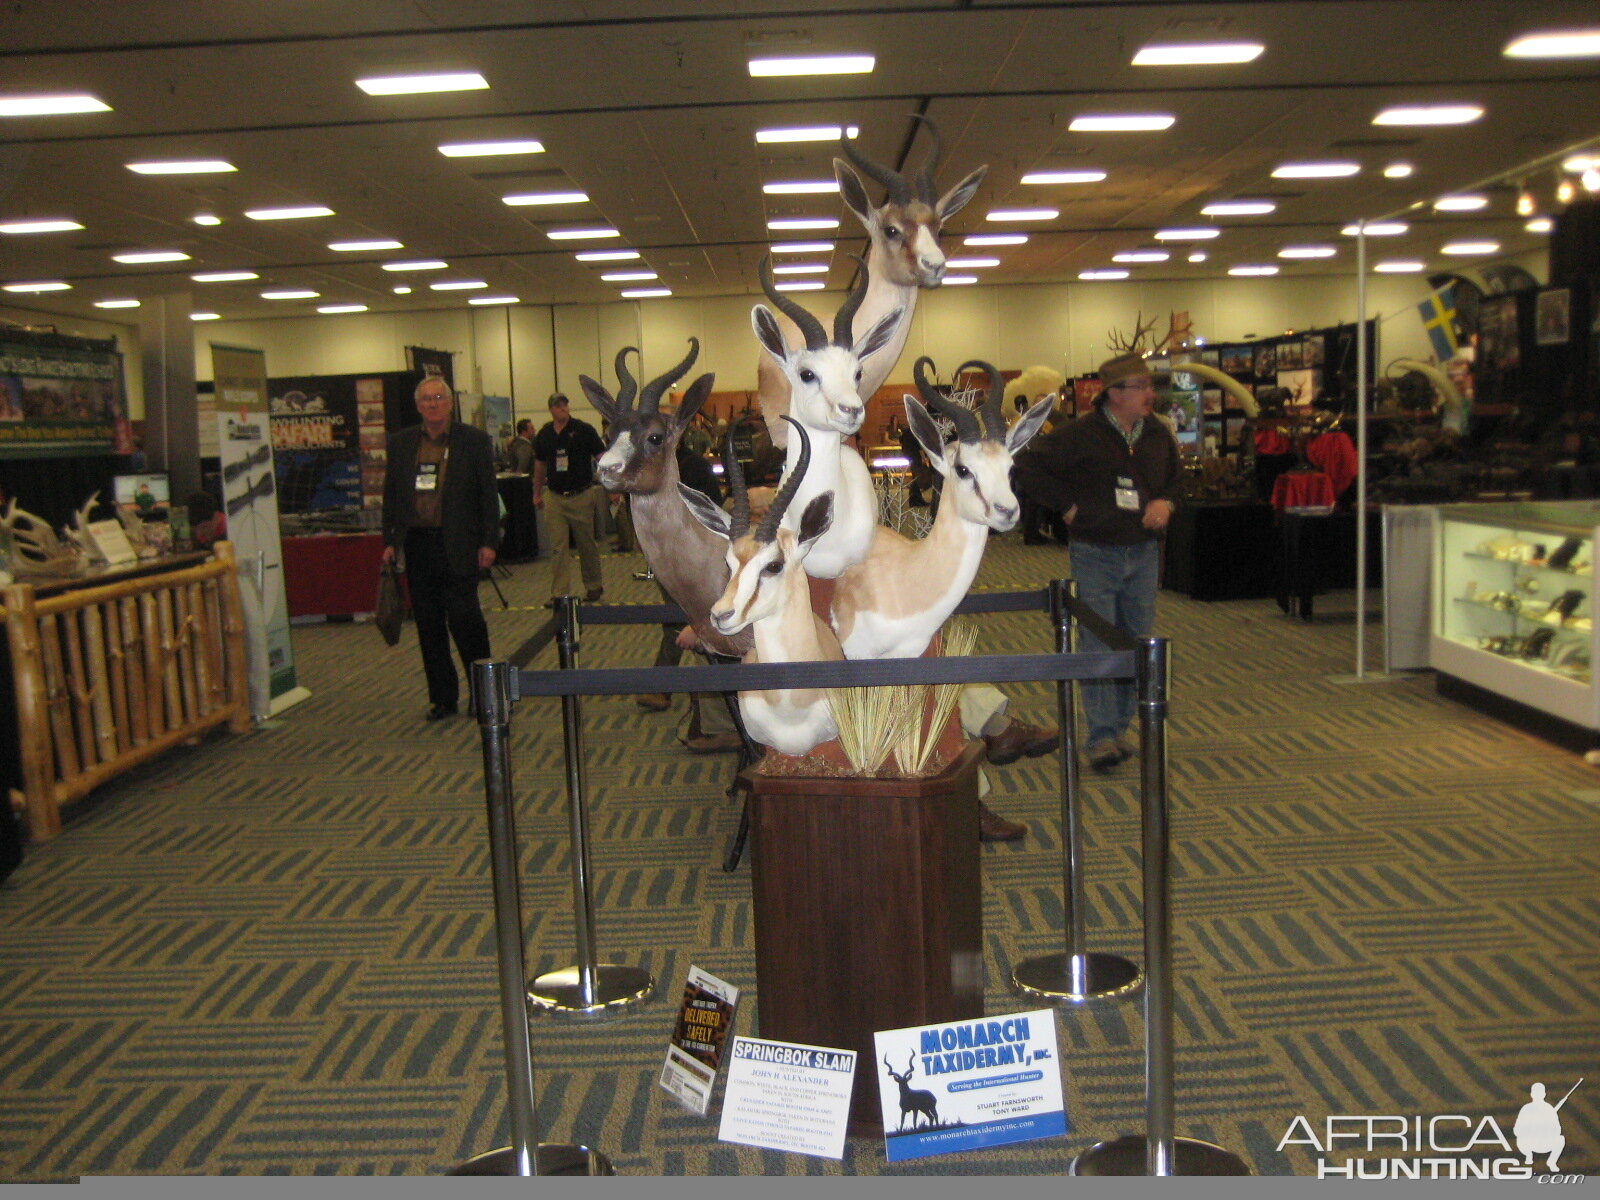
(250,502)
(433,362)
(60,396)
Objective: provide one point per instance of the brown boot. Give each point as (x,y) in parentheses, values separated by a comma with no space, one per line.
(992,827)
(1017,740)
(653,702)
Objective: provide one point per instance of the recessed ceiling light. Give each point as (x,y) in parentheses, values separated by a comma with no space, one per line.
(1200,54)
(1102,274)
(485,149)
(224,276)
(805,269)
(1429,114)
(1570,43)
(1398,171)
(291,294)
(39,226)
(419,264)
(288,214)
(458,285)
(1200,234)
(801,187)
(150,256)
(1239,208)
(43,285)
(781,223)
(1461,203)
(806,133)
(1199,256)
(1399,266)
(971,263)
(586,233)
(645,293)
(631,276)
(410,85)
(206,219)
(205,316)
(525,199)
(1377,229)
(494,300)
(376,244)
(959,280)
(994,239)
(402,290)
(606,255)
(1262,269)
(192,166)
(1316,170)
(1470,248)
(1022,214)
(820,64)
(1307,252)
(1123,123)
(1042,177)
(341,308)
(116,304)
(801,285)
(801,247)
(49,106)
(1540,225)
(1141,256)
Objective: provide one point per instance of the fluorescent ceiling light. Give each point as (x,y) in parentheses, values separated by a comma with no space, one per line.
(1540,225)
(1199,54)
(341,308)
(494,300)
(39,226)
(805,269)
(402,290)
(116,304)
(1470,248)
(134,257)
(49,106)
(632,276)
(458,285)
(1088,176)
(1253,270)
(224,276)
(588,232)
(1307,252)
(288,214)
(1398,171)
(291,294)
(801,247)
(43,285)
(206,219)
(801,187)
(1199,234)
(645,293)
(971,263)
(801,285)
(1126,123)
(1429,114)
(1141,256)
(1571,43)
(205,316)
(1377,229)
(1022,214)
(822,64)
(1239,208)
(606,255)
(354,247)
(1199,256)
(958,280)
(781,223)
(485,149)
(1316,170)
(193,166)
(1104,274)
(419,264)
(410,85)
(524,199)
(994,239)
(1399,267)
(1460,203)
(1578,163)
(806,133)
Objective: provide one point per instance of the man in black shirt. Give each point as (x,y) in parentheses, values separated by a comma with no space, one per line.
(563,461)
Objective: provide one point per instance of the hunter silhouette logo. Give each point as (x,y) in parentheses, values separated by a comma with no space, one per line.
(1538,1127)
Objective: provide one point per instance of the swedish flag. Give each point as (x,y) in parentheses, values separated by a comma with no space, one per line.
(1439,319)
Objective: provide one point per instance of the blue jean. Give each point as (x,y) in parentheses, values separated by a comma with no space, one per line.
(1119,583)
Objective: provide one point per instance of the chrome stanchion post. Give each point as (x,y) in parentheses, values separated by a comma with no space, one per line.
(491,688)
(587,991)
(1077,976)
(1158,1152)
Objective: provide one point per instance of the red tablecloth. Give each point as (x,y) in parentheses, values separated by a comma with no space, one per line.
(331,574)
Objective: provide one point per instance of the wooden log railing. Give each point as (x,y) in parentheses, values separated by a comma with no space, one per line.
(107,677)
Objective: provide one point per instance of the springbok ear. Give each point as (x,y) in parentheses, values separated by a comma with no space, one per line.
(815,521)
(855,195)
(693,399)
(926,431)
(879,335)
(956,198)
(768,333)
(1032,421)
(600,398)
(705,510)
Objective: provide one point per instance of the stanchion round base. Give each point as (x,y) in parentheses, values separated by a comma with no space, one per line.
(549,1159)
(617,990)
(1106,977)
(1126,1156)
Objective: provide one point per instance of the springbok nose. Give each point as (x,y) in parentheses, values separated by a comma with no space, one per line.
(932,266)
(1005,511)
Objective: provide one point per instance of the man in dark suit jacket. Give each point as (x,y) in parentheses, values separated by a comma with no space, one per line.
(441,505)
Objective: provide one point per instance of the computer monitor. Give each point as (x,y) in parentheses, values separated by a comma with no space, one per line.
(145,491)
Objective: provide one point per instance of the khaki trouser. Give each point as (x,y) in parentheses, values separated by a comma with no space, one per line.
(570,520)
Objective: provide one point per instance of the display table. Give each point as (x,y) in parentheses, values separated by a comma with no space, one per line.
(868,910)
(1317,553)
(1221,550)
(332,574)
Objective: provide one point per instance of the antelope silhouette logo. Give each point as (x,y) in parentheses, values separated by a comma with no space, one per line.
(913,1101)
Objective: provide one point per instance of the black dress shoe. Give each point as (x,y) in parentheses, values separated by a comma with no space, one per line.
(438,712)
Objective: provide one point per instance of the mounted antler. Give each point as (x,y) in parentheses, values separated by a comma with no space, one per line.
(1135,344)
(965,420)
(650,394)
(817,337)
(992,409)
(627,386)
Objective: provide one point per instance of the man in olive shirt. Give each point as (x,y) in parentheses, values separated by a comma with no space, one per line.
(563,465)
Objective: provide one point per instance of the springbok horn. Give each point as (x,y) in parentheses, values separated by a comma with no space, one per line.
(992,410)
(650,394)
(816,336)
(768,529)
(925,191)
(739,518)
(846,316)
(627,386)
(893,181)
(967,427)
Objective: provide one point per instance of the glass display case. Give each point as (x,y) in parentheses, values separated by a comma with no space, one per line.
(1513,602)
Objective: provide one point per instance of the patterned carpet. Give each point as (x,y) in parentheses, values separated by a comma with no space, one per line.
(274,953)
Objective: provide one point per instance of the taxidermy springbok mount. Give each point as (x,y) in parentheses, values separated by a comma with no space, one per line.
(768,592)
(891,604)
(903,256)
(642,461)
(824,377)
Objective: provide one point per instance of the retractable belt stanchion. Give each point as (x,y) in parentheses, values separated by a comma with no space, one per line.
(1076,976)
(1157,1152)
(588,991)
(525,1155)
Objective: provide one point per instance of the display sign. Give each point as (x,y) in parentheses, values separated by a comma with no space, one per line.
(112,542)
(61,396)
(968,1084)
(783,1096)
(315,441)
(705,1019)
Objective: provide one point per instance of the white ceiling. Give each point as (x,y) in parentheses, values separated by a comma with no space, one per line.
(648,107)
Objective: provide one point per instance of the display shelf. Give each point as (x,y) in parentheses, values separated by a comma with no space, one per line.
(1582,573)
